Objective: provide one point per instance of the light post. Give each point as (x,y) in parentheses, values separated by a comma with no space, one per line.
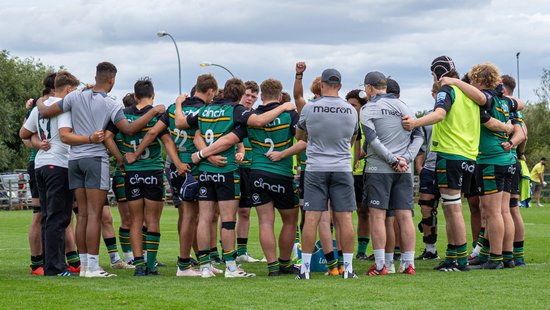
(162,34)
(517,63)
(207,63)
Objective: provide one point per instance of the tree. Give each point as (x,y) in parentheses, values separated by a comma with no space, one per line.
(543,92)
(20,79)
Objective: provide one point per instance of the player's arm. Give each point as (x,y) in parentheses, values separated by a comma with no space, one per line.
(417,140)
(222,144)
(25,134)
(409,122)
(297,148)
(522,145)
(241,152)
(473,93)
(149,137)
(51,110)
(171,150)
(134,127)
(67,136)
(298,90)
(179,118)
(111,146)
(260,120)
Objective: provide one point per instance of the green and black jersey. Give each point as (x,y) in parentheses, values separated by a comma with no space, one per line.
(214,121)
(151,158)
(457,135)
(515,116)
(491,151)
(183,138)
(247,160)
(33,153)
(275,136)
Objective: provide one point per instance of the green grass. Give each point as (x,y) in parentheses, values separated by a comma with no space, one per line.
(527,287)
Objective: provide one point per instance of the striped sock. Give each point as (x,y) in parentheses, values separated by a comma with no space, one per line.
(484,253)
(397,251)
(184,263)
(214,253)
(242,246)
(112,249)
(340,258)
(450,255)
(37,261)
(73,259)
(273,267)
(124,239)
(139,262)
(285,265)
(331,260)
(495,258)
(518,252)
(297,236)
(462,254)
(229,256)
(507,256)
(153,242)
(362,244)
(144,242)
(204,257)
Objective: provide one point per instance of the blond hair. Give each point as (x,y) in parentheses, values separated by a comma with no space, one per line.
(486,75)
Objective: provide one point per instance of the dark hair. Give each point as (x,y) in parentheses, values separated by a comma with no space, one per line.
(143,88)
(206,82)
(285,97)
(49,80)
(354,94)
(509,83)
(253,86)
(234,89)
(64,78)
(193,91)
(543,158)
(271,89)
(105,71)
(466,78)
(129,100)
(392,87)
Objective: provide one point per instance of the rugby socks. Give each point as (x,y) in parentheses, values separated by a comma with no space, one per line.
(430,247)
(152,242)
(495,258)
(93,262)
(124,239)
(37,261)
(340,258)
(144,242)
(332,262)
(462,254)
(204,257)
(450,254)
(362,244)
(110,243)
(72,259)
(184,263)
(214,255)
(83,261)
(229,258)
(306,262)
(241,246)
(273,267)
(297,236)
(388,258)
(379,258)
(139,262)
(397,251)
(348,260)
(507,256)
(479,244)
(518,252)
(285,265)
(407,258)
(484,253)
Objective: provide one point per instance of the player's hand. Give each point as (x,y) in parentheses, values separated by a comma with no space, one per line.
(446,81)
(45,145)
(300,67)
(217,160)
(289,106)
(120,165)
(544,183)
(160,108)
(408,122)
(402,165)
(88,86)
(195,158)
(28,104)
(507,146)
(275,156)
(130,157)
(509,127)
(181,98)
(98,136)
(239,157)
(182,168)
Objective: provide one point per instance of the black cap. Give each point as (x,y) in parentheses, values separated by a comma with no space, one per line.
(393,87)
(375,78)
(441,66)
(331,76)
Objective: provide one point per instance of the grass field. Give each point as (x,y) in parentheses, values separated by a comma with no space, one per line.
(527,287)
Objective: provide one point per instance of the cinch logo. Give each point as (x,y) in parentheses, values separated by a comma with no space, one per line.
(469,168)
(275,122)
(276,188)
(213,113)
(173,174)
(190,112)
(150,180)
(325,109)
(391,112)
(216,178)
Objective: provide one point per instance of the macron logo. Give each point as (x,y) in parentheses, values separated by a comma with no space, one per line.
(333,110)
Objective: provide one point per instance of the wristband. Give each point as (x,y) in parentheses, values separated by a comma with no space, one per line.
(300,75)
(199,155)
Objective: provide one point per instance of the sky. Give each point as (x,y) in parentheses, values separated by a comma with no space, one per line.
(264,39)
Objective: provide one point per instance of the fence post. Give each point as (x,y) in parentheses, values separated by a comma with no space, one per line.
(9,195)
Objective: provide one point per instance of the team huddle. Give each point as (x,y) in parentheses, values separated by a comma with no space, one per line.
(225,155)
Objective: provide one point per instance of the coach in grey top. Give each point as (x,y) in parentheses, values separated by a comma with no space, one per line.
(388,178)
(91,110)
(329,125)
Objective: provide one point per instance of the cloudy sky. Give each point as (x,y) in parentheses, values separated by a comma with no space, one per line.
(262,39)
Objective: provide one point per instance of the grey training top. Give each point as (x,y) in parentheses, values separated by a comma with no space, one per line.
(431,157)
(385,137)
(90,111)
(330,123)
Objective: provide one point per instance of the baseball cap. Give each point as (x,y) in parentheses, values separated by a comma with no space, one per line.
(331,76)
(375,78)
(441,66)
(393,87)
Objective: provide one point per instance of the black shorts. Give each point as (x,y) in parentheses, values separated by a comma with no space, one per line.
(516,178)
(427,183)
(473,189)
(144,184)
(358,188)
(117,185)
(454,174)
(219,186)
(245,201)
(301,184)
(492,179)
(32,180)
(268,187)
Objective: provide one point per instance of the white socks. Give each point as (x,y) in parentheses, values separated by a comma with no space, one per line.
(348,258)
(83,260)
(114,257)
(475,252)
(93,262)
(407,258)
(430,247)
(128,256)
(388,257)
(306,262)
(231,265)
(379,258)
